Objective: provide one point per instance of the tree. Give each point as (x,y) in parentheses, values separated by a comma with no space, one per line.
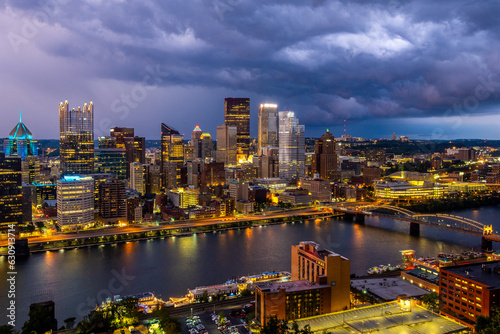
(296,330)
(246,293)
(222,317)
(204,297)
(274,326)
(168,324)
(40,321)
(70,322)
(431,301)
(489,325)
(7,329)
(96,321)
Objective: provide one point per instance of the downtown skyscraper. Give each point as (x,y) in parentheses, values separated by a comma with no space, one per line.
(172,156)
(268,126)
(324,159)
(21,144)
(76,139)
(237,114)
(292,147)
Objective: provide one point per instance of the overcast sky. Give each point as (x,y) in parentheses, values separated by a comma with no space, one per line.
(425,69)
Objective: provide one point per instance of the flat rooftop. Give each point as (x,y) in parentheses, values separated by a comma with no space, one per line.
(290,286)
(487,273)
(426,274)
(388,288)
(317,250)
(388,318)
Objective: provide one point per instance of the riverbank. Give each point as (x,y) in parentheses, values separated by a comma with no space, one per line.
(452,204)
(81,240)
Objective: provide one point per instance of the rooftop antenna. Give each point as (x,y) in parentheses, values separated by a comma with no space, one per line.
(345,132)
(20,116)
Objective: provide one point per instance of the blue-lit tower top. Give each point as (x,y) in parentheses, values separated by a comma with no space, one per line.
(20,142)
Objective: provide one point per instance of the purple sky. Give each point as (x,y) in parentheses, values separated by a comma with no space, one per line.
(425,69)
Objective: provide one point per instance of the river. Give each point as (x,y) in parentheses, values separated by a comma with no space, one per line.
(76,279)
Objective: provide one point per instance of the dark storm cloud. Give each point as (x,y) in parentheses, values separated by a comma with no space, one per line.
(329,60)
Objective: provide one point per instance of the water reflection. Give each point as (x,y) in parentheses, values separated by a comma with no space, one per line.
(171,266)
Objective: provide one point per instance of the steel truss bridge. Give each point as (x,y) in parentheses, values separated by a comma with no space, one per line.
(443,221)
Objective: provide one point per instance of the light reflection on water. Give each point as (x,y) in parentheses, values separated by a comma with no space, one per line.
(170,266)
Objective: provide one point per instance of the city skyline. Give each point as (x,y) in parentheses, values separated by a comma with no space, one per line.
(399,67)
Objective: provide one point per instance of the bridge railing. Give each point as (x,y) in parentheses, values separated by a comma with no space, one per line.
(464,223)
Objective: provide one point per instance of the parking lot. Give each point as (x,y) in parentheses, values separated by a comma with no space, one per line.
(208,324)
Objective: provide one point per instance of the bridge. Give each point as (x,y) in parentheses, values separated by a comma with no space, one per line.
(443,221)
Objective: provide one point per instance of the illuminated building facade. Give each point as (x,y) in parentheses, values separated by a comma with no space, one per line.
(319,189)
(310,261)
(324,159)
(106,142)
(227,145)
(196,142)
(44,191)
(76,139)
(120,134)
(135,147)
(407,190)
(138,177)
(470,290)
(291,300)
(172,151)
(21,144)
(237,114)
(268,126)
(184,198)
(111,161)
(11,203)
(212,175)
(292,147)
(207,146)
(75,201)
(320,284)
(112,201)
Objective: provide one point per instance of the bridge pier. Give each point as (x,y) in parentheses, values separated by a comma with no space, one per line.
(349,217)
(415,229)
(360,219)
(486,244)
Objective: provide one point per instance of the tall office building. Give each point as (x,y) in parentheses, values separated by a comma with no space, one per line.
(324,159)
(268,126)
(112,201)
(106,142)
(75,201)
(207,146)
(172,151)
(196,142)
(138,177)
(44,191)
(292,146)
(237,113)
(111,161)
(135,147)
(227,144)
(21,144)
(11,203)
(120,134)
(76,139)
(269,162)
